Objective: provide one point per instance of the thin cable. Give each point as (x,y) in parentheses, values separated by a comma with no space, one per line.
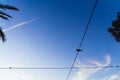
(57,68)
(89,21)
(62,68)
(78,50)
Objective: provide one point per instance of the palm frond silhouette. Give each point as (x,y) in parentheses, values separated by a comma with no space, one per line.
(2,6)
(2,35)
(5,16)
(115,29)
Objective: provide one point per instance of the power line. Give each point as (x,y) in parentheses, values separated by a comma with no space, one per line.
(35,68)
(86,29)
(62,68)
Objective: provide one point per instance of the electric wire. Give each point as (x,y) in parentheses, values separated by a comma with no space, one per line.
(62,68)
(86,29)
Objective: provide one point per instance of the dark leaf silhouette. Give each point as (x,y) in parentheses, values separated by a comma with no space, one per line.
(115,29)
(2,35)
(5,16)
(2,6)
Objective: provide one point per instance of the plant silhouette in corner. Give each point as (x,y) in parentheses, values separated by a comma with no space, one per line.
(115,29)
(5,16)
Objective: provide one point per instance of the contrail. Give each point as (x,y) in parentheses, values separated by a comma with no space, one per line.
(20,24)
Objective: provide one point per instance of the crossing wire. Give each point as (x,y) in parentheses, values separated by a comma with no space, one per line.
(83,37)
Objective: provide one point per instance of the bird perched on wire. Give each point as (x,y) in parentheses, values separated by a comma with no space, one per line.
(2,35)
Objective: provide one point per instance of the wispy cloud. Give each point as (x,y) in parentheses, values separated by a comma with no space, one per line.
(20,24)
(107,58)
(112,77)
(85,73)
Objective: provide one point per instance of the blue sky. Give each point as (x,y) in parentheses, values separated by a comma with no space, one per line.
(51,40)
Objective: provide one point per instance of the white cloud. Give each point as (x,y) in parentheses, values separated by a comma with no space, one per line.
(85,73)
(107,59)
(13,75)
(112,77)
